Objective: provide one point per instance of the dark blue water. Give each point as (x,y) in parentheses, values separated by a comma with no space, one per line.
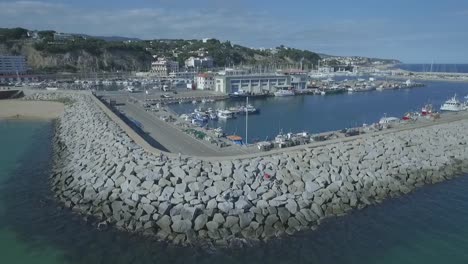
(324,113)
(458,68)
(429,226)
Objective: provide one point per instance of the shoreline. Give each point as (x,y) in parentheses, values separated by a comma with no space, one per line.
(17,109)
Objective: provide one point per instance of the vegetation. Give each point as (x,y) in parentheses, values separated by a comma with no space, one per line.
(8,34)
(102,55)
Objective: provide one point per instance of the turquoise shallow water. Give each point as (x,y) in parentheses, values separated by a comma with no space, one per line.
(427,226)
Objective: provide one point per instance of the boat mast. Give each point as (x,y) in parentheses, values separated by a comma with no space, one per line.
(246,121)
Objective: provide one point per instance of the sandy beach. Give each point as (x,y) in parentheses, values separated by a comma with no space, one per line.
(18,109)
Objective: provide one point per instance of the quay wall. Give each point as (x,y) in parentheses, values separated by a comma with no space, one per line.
(100,171)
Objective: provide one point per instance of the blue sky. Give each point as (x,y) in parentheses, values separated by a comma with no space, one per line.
(410,30)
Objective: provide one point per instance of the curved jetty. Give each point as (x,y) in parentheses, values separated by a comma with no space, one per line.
(101,171)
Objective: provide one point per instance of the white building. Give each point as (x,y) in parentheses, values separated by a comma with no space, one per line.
(204,62)
(62,36)
(205,81)
(256,84)
(205,40)
(12,65)
(230,72)
(163,67)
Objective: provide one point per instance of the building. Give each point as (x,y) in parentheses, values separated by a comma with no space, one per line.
(163,67)
(231,72)
(205,81)
(204,62)
(188,75)
(13,65)
(62,36)
(258,83)
(299,78)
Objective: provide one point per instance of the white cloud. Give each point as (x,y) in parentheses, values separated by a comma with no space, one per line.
(230,20)
(144,22)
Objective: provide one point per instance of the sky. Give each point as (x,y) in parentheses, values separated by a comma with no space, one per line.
(413,31)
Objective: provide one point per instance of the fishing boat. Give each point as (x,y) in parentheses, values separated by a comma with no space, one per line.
(426,110)
(453,105)
(410,116)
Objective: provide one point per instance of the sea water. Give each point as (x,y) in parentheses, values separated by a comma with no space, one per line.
(427,226)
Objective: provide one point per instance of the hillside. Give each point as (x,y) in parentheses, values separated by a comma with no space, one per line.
(47,52)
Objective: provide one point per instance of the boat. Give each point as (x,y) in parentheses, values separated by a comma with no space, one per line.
(235,109)
(426,110)
(323,93)
(284,92)
(239,93)
(235,139)
(225,114)
(199,110)
(389,120)
(453,105)
(219,132)
(194,102)
(201,117)
(213,116)
(410,116)
(248,109)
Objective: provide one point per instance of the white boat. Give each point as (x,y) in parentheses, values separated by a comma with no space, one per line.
(213,116)
(453,105)
(389,120)
(225,114)
(284,92)
(249,109)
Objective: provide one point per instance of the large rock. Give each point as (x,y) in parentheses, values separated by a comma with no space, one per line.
(181,226)
(245,219)
(200,222)
(164,223)
(283,214)
(178,172)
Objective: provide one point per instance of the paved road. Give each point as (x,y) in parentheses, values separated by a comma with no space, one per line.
(172,139)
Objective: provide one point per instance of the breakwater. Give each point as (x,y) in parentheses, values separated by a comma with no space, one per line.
(100,171)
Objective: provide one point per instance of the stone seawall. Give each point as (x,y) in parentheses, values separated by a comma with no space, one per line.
(100,171)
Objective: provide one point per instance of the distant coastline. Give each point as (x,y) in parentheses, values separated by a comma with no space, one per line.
(434,68)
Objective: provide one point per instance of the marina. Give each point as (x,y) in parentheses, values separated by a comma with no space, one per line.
(317,114)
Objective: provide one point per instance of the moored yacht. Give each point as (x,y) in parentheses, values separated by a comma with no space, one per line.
(284,91)
(225,114)
(453,105)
